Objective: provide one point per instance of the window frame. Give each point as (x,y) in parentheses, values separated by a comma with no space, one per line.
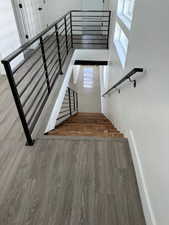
(121,44)
(126,19)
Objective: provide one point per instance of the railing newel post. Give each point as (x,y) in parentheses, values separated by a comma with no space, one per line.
(45,64)
(108,32)
(58,47)
(66,34)
(74,103)
(70,108)
(19,107)
(77,102)
(71,28)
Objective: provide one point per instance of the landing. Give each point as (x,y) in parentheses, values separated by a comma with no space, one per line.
(87,124)
(71,183)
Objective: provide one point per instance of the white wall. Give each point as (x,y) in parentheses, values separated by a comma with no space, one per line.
(55,9)
(9,37)
(142,113)
(92,5)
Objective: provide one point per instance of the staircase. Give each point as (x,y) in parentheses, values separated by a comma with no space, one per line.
(87,124)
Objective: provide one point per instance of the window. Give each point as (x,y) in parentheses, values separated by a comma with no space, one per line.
(88,77)
(125,11)
(121,43)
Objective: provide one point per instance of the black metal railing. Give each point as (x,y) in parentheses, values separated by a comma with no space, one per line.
(127,77)
(90,28)
(69,105)
(33,69)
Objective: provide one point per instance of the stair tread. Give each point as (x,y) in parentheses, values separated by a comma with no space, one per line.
(87,124)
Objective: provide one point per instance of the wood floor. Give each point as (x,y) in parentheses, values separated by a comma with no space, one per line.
(62,181)
(87,124)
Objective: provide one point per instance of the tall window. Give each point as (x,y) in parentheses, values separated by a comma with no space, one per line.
(125,11)
(121,43)
(88,77)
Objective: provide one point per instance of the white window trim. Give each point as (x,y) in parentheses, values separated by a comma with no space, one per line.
(120,9)
(122,53)
(125,20)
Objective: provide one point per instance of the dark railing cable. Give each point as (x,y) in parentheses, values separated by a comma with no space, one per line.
(127,77)
(70,107)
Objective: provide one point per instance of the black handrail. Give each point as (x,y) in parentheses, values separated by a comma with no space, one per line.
(32,79)
(127,77)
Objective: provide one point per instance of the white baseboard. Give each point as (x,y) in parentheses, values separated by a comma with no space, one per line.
(148,212)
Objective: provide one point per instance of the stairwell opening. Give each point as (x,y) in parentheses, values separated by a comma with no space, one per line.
(81,111)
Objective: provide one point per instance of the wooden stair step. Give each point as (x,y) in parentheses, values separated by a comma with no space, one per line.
(87,124)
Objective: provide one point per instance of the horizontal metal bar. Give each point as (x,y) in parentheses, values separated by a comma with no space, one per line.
(130,74)
(28,71)
(68,29)
(62,41)
(38,113)
(54,56)
(64,111)
(93,35)
(63,116)
(37,105)
(90,30)
(61,25)
(65,107)
(90,16)
(46,39)
(90,11)
(55,77)
(31,80)
(54,74)
(49,54)
(61,32)
(63,47)
(90,21)
(56,62)
(35,97)
(88,39)
(78,25)
(86,43)
(26,59)
(49,46)
(64,58)
(33,89)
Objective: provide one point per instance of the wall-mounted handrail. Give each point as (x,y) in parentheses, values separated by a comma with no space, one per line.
(127,77)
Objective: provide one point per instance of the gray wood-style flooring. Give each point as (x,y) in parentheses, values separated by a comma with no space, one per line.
(64,181)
